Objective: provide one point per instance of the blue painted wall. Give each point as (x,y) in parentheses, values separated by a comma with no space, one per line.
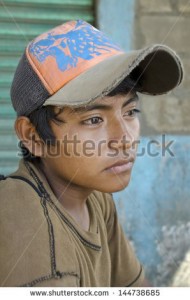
(158,195)
(114,16)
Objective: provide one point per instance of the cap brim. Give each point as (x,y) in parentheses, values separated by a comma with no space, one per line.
(158,69)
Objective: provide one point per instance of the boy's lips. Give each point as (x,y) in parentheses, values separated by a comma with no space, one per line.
(121,165)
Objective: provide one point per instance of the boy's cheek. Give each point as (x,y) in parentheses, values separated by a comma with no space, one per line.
(137,129)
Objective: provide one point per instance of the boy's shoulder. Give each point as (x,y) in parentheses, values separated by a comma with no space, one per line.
(25,235)
(18,188)
(13,190)
(19,204)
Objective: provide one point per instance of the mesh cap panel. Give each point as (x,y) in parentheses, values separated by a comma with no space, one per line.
(27,91)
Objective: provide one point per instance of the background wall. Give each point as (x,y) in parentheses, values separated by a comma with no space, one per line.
(154,208)
(165,22)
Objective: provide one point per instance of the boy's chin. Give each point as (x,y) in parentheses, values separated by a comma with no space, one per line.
(115,188)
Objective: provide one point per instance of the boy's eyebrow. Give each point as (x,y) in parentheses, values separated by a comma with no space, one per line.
(104,106)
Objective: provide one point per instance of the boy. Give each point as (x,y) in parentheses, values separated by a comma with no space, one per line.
(75,94)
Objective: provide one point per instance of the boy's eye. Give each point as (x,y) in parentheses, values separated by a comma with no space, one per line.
(92,121)
(132,112)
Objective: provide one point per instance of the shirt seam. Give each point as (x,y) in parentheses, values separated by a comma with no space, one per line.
(138,276)
(58,275)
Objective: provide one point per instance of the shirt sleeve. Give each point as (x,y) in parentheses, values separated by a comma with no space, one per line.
(126,270)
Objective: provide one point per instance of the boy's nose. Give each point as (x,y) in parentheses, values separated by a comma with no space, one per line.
(121,135)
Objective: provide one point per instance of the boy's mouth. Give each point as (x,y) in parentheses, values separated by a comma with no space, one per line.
(121,165)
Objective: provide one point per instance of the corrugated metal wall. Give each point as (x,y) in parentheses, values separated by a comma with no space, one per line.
(21,21)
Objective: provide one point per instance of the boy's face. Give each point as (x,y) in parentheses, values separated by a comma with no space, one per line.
(91,140)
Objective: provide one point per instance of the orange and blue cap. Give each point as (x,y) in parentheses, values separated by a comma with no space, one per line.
(75,63)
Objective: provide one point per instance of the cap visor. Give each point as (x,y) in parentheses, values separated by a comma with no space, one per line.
(157,68)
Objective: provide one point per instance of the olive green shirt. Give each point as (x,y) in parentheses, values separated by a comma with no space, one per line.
(42,245)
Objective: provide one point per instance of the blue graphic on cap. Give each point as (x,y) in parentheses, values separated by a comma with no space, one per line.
(84,41)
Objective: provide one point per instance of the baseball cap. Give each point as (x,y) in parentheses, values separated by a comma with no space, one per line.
(74,63)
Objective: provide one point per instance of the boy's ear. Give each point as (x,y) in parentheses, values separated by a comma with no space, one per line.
(27,134)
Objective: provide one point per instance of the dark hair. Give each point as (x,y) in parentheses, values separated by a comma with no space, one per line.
(42,116)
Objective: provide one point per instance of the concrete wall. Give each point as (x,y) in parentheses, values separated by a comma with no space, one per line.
(156,203)
(165,22)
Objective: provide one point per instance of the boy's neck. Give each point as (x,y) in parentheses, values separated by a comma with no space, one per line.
(71,196)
